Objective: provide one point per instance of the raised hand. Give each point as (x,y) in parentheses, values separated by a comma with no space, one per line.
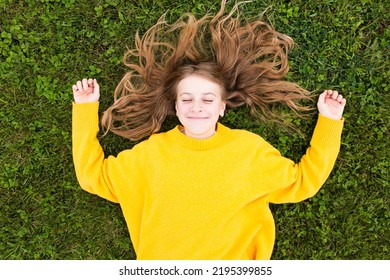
(331,104)
(86,90)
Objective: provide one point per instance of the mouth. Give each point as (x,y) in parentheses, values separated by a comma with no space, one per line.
(197,118)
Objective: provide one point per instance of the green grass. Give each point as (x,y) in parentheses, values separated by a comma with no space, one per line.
(45,46)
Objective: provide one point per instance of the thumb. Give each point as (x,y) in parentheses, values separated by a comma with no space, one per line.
(321,98)
(96,87)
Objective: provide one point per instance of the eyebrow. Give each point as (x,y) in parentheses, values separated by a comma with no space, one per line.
(206,93)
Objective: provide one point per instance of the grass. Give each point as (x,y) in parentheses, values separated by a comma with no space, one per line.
(45,46)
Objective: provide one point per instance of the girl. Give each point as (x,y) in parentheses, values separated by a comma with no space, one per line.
(201,190)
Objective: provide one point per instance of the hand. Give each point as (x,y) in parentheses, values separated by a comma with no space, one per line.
(86,91)
(331,104)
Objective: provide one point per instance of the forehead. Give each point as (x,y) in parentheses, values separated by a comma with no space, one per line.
(196,84)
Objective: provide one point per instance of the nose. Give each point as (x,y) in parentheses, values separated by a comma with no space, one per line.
(196,107)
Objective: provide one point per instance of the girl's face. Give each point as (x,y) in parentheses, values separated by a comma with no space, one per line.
(198,106)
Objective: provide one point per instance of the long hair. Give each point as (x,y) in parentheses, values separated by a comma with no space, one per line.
(249,59)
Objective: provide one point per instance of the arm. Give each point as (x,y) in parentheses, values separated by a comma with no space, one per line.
(304,179)
(88,156)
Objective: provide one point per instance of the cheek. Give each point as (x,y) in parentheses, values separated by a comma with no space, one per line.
(180,109)
(220,108)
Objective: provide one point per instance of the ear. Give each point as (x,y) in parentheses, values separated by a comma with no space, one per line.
(176,108)
(223,108)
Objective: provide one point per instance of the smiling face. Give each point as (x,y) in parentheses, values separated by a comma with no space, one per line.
(198,106)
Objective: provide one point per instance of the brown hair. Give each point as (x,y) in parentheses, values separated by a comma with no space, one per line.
(247,58)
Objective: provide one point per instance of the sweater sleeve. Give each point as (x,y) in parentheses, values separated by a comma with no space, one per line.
(304,179)
(88,156)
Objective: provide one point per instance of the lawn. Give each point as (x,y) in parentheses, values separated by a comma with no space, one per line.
(47,45)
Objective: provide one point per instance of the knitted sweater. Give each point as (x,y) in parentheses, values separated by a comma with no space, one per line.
(185,198)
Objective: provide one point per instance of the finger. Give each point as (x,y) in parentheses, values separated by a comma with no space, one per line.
(339,98)
(335,94)
(329,92)
(90,81)
(96,86)
(321,98)
(79,85)
(85,84)
(74,88)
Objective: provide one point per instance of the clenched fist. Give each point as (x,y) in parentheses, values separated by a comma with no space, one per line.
(86,90)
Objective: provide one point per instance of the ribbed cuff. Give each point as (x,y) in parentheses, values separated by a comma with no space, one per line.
(327,132)
(85,116)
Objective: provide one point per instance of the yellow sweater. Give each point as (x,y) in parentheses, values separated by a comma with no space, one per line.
(185,198)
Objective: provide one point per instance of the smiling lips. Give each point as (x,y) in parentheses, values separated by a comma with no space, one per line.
(197,118)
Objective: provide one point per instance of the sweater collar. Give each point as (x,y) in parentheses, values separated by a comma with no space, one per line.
(219,138)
